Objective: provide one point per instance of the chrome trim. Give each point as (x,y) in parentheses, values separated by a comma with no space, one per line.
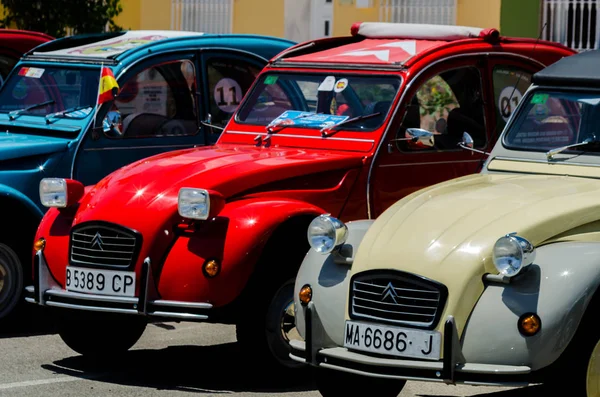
(140,147)
(431,162)
(191,305)
(90,297)
(402,97)
(303,136)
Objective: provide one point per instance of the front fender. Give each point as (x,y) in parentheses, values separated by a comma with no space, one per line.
(329,282)
(236,237)
(13,194)
(558,287)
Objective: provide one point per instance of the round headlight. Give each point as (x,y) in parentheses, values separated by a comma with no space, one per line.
(511,254)
(325,233)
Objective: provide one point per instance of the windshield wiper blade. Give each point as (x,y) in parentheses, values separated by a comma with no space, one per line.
(63,113)
(13,114)
(589,141)
(329,131)
(271,128)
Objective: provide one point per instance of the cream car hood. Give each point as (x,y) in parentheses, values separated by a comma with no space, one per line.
(446,232)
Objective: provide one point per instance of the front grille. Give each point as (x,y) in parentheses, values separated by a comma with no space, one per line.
(397,298)
(104,245)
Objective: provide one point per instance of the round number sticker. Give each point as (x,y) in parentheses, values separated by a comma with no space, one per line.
(508,100)
(228,95)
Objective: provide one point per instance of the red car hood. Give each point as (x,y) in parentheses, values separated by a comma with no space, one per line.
(151,185)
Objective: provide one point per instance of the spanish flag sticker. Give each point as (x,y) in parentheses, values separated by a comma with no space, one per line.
(108,86)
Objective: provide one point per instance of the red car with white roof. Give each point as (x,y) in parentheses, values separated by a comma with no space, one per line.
(344,125)
(13,44)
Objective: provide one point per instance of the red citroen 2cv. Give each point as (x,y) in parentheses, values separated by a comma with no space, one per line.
(13,44)
(339,125)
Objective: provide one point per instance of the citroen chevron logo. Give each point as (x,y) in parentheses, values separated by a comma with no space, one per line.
(97,240)
(390,292)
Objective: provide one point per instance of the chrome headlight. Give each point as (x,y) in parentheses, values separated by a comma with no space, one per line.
(193,203)
(511,254)
(53,192)
(325,233)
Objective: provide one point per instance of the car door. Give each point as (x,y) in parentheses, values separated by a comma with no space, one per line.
(447,99)
(229,75)
(163,105)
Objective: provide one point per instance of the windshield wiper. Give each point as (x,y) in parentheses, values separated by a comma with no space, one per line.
(14,113)
(63,113)
(589,141)
(271,128)
(329,131)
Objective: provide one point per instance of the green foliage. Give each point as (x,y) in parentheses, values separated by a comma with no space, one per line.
(60,17)
(436,97)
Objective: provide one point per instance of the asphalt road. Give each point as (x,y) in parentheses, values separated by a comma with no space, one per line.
(171,359)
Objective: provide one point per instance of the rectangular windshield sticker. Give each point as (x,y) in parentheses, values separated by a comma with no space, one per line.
(307,119)
(539,98)
(36,73)
(327,84)
(270,80)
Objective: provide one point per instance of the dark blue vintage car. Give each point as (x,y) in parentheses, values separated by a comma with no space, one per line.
(175,90)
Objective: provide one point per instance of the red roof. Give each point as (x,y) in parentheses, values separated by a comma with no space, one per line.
(370,51)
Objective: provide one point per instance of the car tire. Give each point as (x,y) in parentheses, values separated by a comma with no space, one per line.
(99,335)
(332,383)
(11,280)
(262,335)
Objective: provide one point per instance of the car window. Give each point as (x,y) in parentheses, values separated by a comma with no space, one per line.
(553,119)
(63,88)
(228,81)
(318,100)
(159,101)
(7,63)
(510,83)
(448,105)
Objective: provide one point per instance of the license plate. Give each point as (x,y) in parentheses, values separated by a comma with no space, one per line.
(395,341)
(103,282)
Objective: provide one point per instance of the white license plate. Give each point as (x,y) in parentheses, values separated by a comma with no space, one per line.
(395,341)
(100,281)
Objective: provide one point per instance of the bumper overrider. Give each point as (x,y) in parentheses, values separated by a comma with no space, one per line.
(47,292)
(451,369)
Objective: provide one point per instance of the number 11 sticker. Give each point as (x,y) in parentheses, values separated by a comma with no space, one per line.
(227,94)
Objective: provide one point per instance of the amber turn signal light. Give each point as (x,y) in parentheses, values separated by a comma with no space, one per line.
(529,324)
(305,294)
(211,268)
(39,244)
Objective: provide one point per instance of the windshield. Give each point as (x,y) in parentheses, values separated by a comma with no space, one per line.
(60,88)
(551,119)
(284,99)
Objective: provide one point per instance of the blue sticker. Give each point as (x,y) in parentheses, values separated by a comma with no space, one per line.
(307,119)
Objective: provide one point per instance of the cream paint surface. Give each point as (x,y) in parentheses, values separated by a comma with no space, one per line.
(446,232)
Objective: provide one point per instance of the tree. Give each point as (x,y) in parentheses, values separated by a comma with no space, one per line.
(54,17)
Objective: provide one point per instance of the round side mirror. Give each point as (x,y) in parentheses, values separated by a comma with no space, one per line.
(419,137)
(112,125)
(467,140)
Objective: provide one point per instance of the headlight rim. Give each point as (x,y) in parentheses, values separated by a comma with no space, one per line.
(526,249)
(340,231)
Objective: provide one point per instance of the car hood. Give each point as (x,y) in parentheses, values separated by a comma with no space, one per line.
(446,232)
(153,184)
(13,146)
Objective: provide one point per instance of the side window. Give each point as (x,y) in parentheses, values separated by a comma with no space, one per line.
(7,63)
(228,81)
(159,101)
(448,105)
(510,83)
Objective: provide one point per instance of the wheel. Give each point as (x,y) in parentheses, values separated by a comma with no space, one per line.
(332,383)
(11,280)
(99,335)
(267,334)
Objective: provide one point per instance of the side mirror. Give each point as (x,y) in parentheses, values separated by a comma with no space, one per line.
(112,125)
(419,137)
(467,143)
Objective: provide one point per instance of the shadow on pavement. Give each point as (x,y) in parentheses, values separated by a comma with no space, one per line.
(28,320)
(528,391)
(215,369)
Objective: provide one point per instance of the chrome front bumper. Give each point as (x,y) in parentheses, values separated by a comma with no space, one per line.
(47,292)
(451,369)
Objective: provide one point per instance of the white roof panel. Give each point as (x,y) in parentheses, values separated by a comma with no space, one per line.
(117,45)
(387,30)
